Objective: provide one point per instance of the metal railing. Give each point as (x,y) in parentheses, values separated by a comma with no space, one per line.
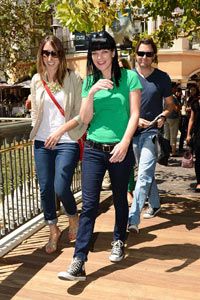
(19,190)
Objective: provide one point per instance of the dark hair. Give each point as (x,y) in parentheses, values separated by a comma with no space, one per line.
(148,41)
(195,87)
(58,47)
(179,90)
(174,84)
(125,63)
(98,41)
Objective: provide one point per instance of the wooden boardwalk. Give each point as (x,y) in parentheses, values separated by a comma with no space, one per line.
(162,262)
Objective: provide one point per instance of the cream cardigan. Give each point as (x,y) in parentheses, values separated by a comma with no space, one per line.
(72,103)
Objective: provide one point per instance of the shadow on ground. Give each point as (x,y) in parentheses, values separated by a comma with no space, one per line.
(175,211)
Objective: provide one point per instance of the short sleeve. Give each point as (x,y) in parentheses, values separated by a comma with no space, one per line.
(84,92)
(87,84)
(167,87)
(134,81)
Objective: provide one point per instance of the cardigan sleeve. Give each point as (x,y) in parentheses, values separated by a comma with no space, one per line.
(77,132)
(33,100)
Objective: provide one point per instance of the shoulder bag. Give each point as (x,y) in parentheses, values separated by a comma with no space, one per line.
(81,141)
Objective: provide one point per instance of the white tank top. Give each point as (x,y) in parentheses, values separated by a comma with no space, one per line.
(52,119)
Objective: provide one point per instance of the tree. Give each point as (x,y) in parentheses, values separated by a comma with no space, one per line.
(22,25)
(180,17)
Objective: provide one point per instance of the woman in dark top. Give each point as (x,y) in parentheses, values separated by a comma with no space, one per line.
(193,133)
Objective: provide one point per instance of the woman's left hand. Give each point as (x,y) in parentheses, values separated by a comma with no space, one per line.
(52,140)
(119,152)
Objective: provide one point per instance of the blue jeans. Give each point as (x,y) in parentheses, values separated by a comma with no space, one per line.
(55,169)
(145,150)
(95,163)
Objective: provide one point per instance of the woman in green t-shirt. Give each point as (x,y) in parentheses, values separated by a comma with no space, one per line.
(110,107)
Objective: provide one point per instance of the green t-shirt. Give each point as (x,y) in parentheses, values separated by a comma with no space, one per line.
(111,108)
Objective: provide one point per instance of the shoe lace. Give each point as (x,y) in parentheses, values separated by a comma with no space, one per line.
(116,247)
(150,211)
(75,266)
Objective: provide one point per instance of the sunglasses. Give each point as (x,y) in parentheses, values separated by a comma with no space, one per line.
(143,53)
(47,53)
(98,37)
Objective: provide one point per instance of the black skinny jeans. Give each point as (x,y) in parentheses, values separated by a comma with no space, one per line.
(197,164)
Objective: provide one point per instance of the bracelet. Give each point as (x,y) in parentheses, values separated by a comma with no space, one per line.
(164,117)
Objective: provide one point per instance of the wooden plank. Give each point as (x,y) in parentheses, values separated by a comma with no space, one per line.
(162,262)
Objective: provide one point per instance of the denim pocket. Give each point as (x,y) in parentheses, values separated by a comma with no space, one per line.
(154,139)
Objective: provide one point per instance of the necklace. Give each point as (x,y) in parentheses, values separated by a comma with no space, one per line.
(54,86)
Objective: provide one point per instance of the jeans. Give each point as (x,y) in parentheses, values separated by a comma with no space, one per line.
(95,163)
(183,130)
(55,169)
(145,150)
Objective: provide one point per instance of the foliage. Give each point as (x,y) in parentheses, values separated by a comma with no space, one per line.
(82,15)
(22,25)
(180,17)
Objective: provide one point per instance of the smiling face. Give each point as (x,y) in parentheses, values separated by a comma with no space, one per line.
(50,58)
(102,59)
(145,61)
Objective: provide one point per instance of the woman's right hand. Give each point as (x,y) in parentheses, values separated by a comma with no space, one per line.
(52,140)
(101,84)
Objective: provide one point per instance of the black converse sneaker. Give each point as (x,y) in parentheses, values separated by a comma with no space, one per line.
(117,252)
(76,271)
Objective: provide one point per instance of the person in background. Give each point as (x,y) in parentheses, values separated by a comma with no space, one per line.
(124,63)
(193,95)
(111,103)
(106,184)
(193,133)
(156,87)
(27,103)
(179,94)
(171,125)
(185,115)
(56,150)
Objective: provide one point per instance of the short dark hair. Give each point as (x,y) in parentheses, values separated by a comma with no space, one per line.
(98,41)
(148,41)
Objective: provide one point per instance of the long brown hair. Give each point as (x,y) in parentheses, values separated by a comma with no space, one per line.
(58,47)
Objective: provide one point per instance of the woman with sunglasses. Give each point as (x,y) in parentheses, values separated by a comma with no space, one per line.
(156,88)
(55,104)
(110,106)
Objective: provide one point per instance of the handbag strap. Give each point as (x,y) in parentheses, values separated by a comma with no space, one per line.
(53,98)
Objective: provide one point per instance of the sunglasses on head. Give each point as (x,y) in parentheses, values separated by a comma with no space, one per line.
(98,37)
(143,53)
(48,53)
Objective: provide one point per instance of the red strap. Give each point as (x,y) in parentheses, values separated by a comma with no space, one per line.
(53,98)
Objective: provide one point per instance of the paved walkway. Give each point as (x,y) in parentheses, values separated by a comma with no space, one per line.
(175,180)
(162,262)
